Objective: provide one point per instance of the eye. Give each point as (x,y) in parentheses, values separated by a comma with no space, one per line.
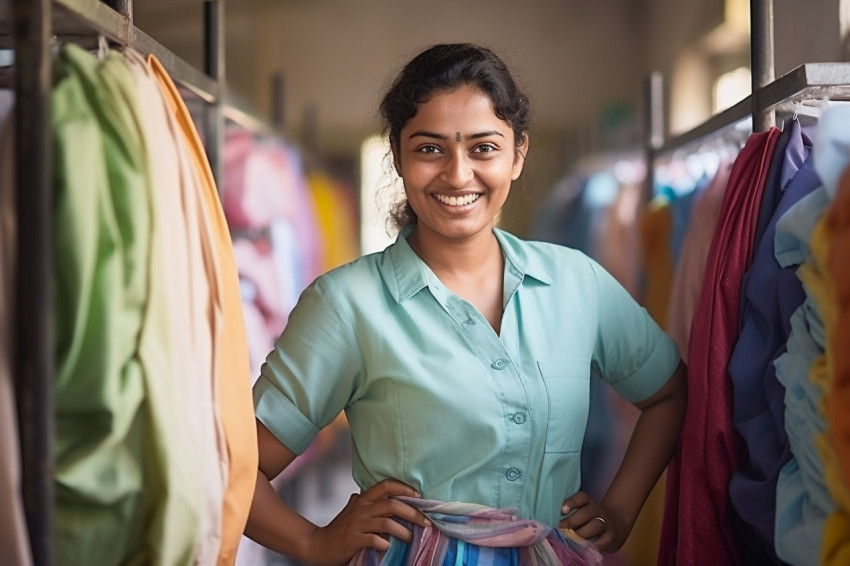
(428,149)
(485,148)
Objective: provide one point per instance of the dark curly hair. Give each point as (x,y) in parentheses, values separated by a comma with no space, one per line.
(446,67)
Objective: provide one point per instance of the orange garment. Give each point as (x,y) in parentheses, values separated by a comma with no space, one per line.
(335,212)
(618,246)
(824,280)
(231,363)
(837,221)
(656,228)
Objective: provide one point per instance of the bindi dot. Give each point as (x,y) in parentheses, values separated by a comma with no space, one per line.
(457,136)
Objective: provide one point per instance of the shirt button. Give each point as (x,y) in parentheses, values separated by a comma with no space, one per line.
(519,418)
(512,474)
(499,364)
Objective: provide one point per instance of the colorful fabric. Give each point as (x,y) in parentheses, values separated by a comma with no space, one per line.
(838,219)
(690,267)
(803,502)
(824,287)
(698,517)
(231,365)
(176,347)
(770,294)
(101,248)
(474,535)
(413,363)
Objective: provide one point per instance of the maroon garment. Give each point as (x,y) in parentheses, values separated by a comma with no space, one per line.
(698,514)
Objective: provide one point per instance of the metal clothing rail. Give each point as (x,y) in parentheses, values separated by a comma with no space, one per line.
(811,81)
(30,25)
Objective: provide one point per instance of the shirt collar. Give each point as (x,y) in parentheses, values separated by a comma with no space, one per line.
(405,274)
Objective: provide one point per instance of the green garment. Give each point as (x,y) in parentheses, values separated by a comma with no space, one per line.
(102,232)
(436,399)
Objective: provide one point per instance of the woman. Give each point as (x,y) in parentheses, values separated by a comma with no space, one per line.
(461,354)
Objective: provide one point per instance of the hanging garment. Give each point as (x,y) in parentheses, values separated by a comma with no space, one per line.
(822,282)
(231,362)
(836,226)
(101,245)
(770,295)
(698,512)
(176,348)
(802,499)
(656,228)
(690,268)
(14,539)
(471,534)
(336,211)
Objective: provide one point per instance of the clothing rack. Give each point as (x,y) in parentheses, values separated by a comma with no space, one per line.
(28,26)
(810,81)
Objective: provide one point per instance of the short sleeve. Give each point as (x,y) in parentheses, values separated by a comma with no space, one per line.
(631,353)
(308,379)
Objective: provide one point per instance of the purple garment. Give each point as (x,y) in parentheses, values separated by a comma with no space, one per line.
(771,294)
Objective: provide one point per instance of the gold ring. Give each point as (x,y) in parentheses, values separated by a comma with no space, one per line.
(604,522)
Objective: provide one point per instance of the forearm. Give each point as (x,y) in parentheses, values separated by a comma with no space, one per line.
(652,444)
(275,525)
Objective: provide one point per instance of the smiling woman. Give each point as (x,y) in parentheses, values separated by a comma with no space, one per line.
(462,356)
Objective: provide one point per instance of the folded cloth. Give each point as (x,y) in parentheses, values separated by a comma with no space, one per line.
(469,534)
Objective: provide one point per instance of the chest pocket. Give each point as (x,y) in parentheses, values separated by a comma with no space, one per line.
(568,392)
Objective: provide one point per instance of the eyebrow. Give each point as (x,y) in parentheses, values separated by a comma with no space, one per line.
(442,137)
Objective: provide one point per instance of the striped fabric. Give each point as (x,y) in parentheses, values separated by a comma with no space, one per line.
(475,535)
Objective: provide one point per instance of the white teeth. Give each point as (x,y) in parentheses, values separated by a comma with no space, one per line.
(457,201)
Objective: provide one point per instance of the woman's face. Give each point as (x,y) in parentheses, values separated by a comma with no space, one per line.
(457,160)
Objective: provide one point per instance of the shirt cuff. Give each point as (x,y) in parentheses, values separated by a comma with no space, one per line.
(282,417)
(653,374)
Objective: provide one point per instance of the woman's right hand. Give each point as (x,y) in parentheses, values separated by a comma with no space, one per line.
(365,522)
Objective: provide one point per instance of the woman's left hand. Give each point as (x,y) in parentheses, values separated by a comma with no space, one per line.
(592,521)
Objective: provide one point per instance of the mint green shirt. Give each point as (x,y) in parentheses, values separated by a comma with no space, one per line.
(436,399)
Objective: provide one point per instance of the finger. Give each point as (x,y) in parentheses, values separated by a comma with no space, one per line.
(604,541)
(400,509)
(378,543)
(580,518)
(389,488)
(592,528)
(389,527)
(576,500)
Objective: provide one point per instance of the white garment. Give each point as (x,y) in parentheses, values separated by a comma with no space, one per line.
(180,290)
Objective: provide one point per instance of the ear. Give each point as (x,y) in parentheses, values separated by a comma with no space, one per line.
(519,158)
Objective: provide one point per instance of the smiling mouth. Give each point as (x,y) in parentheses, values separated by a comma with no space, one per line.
(458,201)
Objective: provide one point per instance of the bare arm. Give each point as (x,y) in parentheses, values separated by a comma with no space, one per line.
(650,449)
(360,524)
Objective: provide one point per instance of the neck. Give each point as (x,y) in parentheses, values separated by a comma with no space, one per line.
(451,257)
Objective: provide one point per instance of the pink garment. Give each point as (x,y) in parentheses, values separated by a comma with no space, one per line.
(457,525)
(690,268)
(698,513)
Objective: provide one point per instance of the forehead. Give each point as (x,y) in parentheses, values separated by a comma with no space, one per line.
(459,109)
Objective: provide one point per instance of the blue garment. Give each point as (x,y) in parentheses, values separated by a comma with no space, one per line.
(770,294)
(803,502)
(436,399)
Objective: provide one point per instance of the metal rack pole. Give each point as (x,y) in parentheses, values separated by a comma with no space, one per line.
(654,119)
(215,68)
(761,60)
(33,337)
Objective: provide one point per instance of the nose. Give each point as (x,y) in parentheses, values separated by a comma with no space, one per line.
(457,171)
